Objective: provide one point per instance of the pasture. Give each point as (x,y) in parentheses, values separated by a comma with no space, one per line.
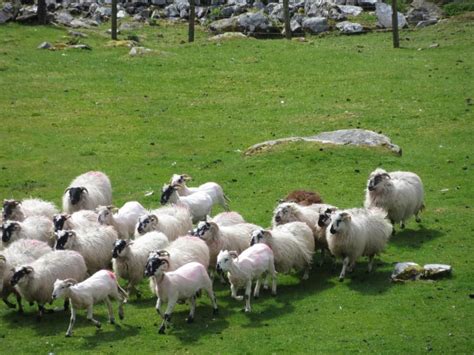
(195,108)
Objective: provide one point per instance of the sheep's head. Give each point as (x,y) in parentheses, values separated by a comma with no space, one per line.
(105,214)
(61,286)
(325,218)
(206,230)
(21,274)
(179,180)
(339,222)
(76,193)
(225,259)
(59,220)
(377,178)
(157,263)
(147,223)
(63,239)
(284,213)
(8,229)
(9,208)
(119,247)
(166,193)
(258,236)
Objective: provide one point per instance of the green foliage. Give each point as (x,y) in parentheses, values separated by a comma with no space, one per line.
(458,7)
(195,108)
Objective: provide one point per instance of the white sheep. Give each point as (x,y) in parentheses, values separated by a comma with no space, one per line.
(95,245)
(357,232)
(87,192)
(292,245)
(130,257)
(125,220)
(173,222)
(20,210)
(199,203)
(83,219)
(34,227)
(35,280)
(211,188)
(102,286)
(182,283)
(400,193)
(181,251)
(228,218)
(20,252)
(250,265)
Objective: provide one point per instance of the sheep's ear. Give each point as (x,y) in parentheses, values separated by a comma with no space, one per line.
(153,218)
(266,233)
(70,282)
(385,175)
(233,254)
(3,259)
(186,177)
(29,269)
(346,216)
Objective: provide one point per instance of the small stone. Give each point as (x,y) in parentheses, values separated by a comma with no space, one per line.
(45,45)
(434,45)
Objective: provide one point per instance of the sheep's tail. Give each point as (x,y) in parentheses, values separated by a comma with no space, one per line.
(423,207)
(123,293)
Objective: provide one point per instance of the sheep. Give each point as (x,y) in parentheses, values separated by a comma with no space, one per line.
(211,188)
(400,193)
(357,232)
(199,203)
(95,245)
(184,283)
(20,210)
(130,257)
(292,245)
(303,198)
(34,281)
(87,192)
(124,220)
(250,265)
(171,224)
(102,286)
(34,227)
(181,251)
(19,252)
(228,218)
(83,219)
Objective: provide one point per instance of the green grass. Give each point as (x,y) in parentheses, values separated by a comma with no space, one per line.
(194,108)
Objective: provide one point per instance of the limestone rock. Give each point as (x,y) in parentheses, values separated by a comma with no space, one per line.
(350,28)
(384,16)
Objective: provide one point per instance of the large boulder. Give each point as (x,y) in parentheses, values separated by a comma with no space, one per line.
(5,16)
(315,24)
(350,28)
(63,18)
(350,10)
(224,25)
(323,8)
(421,10)
(257,24)
(384,16)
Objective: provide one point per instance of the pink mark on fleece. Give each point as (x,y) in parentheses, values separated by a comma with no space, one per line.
(111,275)
(96,173)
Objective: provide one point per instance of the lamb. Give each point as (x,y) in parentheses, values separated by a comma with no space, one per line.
(292,245)
(211,188)
(303,198)
(102,286)
(34,281)
(250,265)
(124,220)
(400,193)
(181,284)
(20,210)
(172,225)
(20,252)
(34,227)
(87,192)
(95,245)
(357,232)
(83,219)
(199,203)
(130,257)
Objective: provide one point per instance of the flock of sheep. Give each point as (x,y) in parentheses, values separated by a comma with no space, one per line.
(47,255)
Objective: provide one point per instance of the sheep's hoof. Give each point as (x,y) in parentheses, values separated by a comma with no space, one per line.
(341,279)
(68,335)
(256,296)
(190,320)
(402,225)
(98,325)
(215,311)
(162,330)
(247,310)
(112,321)
(121,317)
(418,220)
(274,294)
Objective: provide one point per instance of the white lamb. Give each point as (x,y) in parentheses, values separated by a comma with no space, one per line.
(35,280)
(292,245)
(211,188)
(130,257)
(34,227)
(199,203)
(83,219)
(173,225)
(355,233)
(125,220)
(102,286)
(400,193)
(87,192)
(20,210)
(95,245)
(250,265)
(21,252)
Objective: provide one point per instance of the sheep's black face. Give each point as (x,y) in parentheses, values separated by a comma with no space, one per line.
(257,236)
(61,240)
(324,218)
(143,223)
(7,231)
(58,222)
(75,194)
(153,263)
(201,229)
(118,248)
(377,179)
(18,275)
(166,194)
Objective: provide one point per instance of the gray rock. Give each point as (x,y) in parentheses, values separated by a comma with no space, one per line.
(228,36)
(384,16)
(182,5)
(350,28)
(434,271)
(227,11)
(76,23)
(425,23)
(104,11)
(366,4)
(45,45)
(80,46)
(139,51)
(63,18)
(158,2)
(357,137)
(201,11)
(183,14)
(323,8)
(122,14)
(406,271)
(296,23)
(171,11)
(315,24)
(350,10)
(77,34)
(127,26)
(421,10)
(258,5)
(5,16)
(256,24)
(224,25)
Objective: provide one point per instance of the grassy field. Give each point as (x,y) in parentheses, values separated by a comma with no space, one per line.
(195,108)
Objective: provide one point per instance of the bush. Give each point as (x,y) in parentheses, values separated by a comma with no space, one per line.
(456,8)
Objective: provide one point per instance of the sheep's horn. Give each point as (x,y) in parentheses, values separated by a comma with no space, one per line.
(163,253)
(2,258)
(67,189)
(233,254)
(71,281)
(84,189)
(186,177)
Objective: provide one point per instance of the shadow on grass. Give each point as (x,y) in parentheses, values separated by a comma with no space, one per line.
(414,238)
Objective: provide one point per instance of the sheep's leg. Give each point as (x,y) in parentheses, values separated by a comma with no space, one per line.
(345,264)
(192,302)
(256,291)
(40,312)
(8,303)
(91,318)
(371,263)
(402,224)
(233,290)
(273,272)
(71,321)
(120,308)
(212,296)
(158,306)
(18,301)
(110,309)
(248,292)
(321,262)
(306,271)
(167,316)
